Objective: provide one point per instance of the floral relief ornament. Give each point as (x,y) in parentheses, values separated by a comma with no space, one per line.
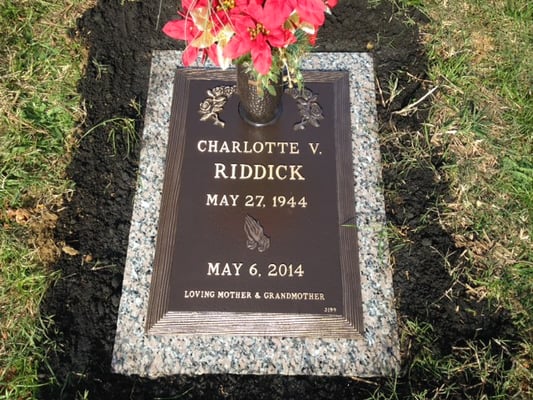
(270,37)
(214,104)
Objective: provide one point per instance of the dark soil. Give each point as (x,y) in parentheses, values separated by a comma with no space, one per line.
(84,302)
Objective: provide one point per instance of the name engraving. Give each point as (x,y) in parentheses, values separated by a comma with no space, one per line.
(259,172)
(245,147)
(256,172)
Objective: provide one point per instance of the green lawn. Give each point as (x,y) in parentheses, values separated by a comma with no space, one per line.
(39,111)
(481,66)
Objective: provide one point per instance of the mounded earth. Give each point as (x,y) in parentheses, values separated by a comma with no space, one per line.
(96,219)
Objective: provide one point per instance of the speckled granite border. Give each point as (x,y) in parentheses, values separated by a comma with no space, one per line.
(376,354)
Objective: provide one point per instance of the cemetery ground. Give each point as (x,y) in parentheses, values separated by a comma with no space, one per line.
(455,112)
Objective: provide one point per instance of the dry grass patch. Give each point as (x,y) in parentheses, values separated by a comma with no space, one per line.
(39,111)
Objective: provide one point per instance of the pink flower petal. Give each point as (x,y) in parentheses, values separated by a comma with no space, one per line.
(276,12)
(180,29)
(189,55)
(261,56)
(311,11)
(237,47)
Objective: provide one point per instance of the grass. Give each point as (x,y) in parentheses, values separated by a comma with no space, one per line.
(480,82)
(481,122)
(22,287)
(39,109)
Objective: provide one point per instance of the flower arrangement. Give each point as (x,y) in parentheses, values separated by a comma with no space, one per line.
(269,37)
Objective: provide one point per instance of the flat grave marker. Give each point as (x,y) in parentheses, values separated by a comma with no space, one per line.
(258,250)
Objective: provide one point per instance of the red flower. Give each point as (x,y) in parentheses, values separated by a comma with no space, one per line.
(257,33)
(311,11)
(198,28)
(225,30)
(184,29)
(279,10)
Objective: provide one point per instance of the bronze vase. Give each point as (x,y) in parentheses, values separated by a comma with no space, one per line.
(257,106)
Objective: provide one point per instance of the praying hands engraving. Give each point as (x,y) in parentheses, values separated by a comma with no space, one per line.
(255,237)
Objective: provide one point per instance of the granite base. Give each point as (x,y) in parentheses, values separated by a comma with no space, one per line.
(376,353)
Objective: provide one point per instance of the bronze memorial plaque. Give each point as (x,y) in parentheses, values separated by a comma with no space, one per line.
(257,224)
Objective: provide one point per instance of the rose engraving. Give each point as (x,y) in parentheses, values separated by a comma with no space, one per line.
(214,104)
